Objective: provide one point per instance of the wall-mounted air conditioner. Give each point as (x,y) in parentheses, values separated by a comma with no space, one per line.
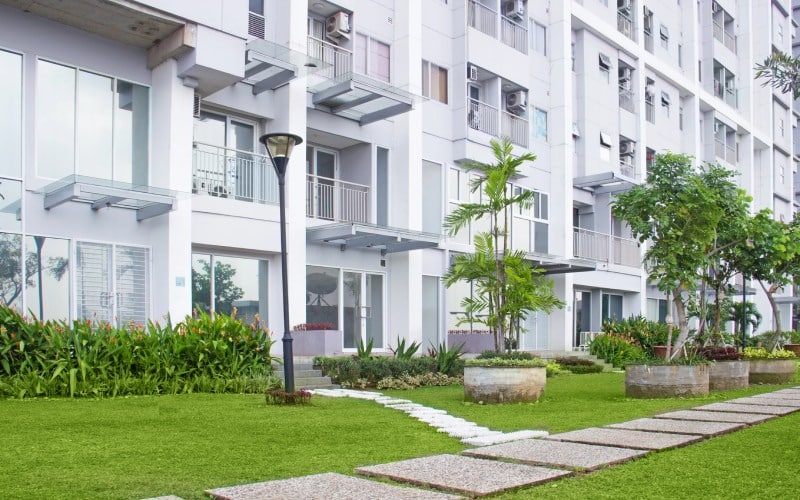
(627,148)
(514,9)
(624,6)
(338,26)
(517,102)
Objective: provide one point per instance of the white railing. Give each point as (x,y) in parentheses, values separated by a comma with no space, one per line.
(625,25)
(341,60)
(730,154)
(725,37)
(233,173)
(483,117)
(332,199)
(514,34)
(627,169)
(719,148)
(726,93)
(625,251)
(482,18)
(590,245)
(515,128)
(626,99)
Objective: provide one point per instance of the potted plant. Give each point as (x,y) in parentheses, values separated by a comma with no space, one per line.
(793,342)
(316,339)
(493,378)
(728,370)
(770,367)
(659,378)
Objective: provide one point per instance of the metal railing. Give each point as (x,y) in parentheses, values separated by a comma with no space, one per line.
(730,154)
(514,34)
(650,110)
(626,98)
(625,251)
(483,117)
(627,169)
(719,148)
(726,93)
(515,128)
(725,37)
(482,18)
(340,59)
(233,173)
(590,245)
(332,199)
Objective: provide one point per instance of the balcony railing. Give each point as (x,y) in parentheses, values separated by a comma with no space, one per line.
(626,98)
(627,169)
(483,117)
(603,247)
(340,59)
(650,110)
(726,93)
(514,35)
(625,25)
(724,151)
(335,200)
(482,18)
(233,173)
(515,128)
(725,37)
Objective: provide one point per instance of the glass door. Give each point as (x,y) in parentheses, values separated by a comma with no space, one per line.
(362,309)
(244,171)
(322,195)
(583,315)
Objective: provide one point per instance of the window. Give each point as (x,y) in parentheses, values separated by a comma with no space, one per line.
(538,37)
(680,55)
(781,126)
(680,119)
(372,58)
(11,114)
(605,140)
(103,125)
(657,310)
(665,102)
(605,62)
(256,25)
(11,270)
(540,123)
(530,226)
(434,82)
(664,37)
(612,307)
(233,282)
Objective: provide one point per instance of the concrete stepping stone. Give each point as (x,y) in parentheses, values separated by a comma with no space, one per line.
(778,394)
(168,497)
(739,408)
(560,454)
(638,440)
(392,402)
(707,429)
(468,431)
(504,437)
(460,474)
(776,401)
(322,487)
(426,411)
(716,416)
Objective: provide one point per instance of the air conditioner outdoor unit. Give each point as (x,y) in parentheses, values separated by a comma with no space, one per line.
(627,148)
(472,72)
(516,102)
(624,5)
(196,105)
(338,25)
(515,9)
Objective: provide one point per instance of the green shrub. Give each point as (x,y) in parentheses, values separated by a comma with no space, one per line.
(642,332)
(761,353)
(553,369)
(505,355)
(616,349)
(405,382)
(348,371)
(574,361)
(582,369)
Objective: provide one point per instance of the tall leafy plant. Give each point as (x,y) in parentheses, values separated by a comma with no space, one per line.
(506,286)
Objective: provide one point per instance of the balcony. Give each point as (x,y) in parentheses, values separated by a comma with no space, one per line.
(601,247)
(483,117)
(627,169)
(625,25)
(340,59)
(725,151)
(482,18)
(233,173)
(335,200)
(515,128)
(725,37)
(485,20)
(626,99)
(727,93)
(514,35)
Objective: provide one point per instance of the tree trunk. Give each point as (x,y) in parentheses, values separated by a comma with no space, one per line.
(773,343)
(683,325)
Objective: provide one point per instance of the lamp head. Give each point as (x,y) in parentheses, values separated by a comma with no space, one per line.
(279,147)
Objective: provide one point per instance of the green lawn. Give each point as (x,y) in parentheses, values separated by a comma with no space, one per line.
(148,446)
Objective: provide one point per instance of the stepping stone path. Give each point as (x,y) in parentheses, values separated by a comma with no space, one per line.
(510,460)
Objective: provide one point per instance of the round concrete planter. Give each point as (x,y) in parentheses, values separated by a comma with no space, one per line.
(503,384)
(772,371)
(732,374)
(666,381)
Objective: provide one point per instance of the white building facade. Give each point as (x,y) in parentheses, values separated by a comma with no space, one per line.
(134,187)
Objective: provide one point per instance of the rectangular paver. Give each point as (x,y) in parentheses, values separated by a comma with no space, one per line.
(504,437)
(638,440)
(560,454)
(779,394)
(715,416)
(773,401)
(323,487)
(460,474)
(744,408)
(707,429)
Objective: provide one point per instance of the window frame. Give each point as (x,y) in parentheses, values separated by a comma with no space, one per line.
(435,69)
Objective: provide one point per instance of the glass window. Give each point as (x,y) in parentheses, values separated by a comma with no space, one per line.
(322,295)
(11,282)
(94,125)
(55,110)
(235,282)
(10,204)
(432,197)
(10,114)
(371,58)
(612,307)
(430,311)
(434,82)
(538,37)
(657,310)
(47,292)
(540,123)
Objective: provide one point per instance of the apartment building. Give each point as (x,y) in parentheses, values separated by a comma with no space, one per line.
(133,184)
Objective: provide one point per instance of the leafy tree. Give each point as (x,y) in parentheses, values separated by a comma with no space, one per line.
(689,216)
(782,72)
(225,290)
(506,286)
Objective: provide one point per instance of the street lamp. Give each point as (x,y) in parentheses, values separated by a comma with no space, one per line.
(279,147)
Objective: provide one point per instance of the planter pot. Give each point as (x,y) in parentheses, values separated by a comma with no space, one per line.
(666,381)
(503,384)
(795,348)
(660,351)
(474,343)
(772,371)
(317,343)
(732,374)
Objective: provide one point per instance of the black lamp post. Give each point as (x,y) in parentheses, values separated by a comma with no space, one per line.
(279,147)
(744,310)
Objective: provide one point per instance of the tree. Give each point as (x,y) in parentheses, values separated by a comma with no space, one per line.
(506,286)
(782,72)
(225,290)
(751,317)
(690,217)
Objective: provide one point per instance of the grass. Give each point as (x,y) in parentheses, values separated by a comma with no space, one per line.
(141,447)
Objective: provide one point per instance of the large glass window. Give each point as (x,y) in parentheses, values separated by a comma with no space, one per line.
(434,81)
(530,226)
(540,123)
(102,125)
(612,307)
(10,114)
(234,282)
(372,58)
(11,281)
(47,292)
(10,204)
(432,197)
(430,311)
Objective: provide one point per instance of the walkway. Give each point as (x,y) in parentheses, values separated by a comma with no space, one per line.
(504,461)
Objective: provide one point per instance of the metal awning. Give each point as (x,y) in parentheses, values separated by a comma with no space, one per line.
(361,98)
(607,182)
(552,264)
(361,235)
(269,65)
(148,201)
